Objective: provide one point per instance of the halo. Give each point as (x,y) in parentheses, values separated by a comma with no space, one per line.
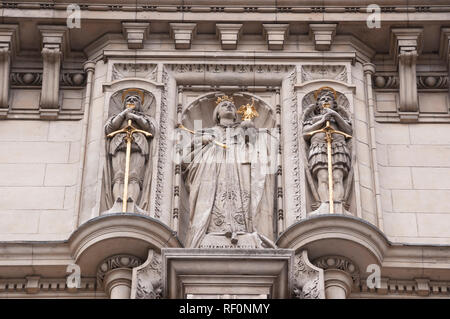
(325,88)
(126,92)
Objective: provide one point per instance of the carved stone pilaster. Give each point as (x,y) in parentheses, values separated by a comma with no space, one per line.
(229,35)
(114,275)
(322,35)
(340,275)
(8,45)
(308,280)
(147,280)
(183,34)
(54,46)
(407,43)
(275,35)
(135,33)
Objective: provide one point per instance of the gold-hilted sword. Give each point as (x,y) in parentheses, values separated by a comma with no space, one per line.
(129,130)
(329,131)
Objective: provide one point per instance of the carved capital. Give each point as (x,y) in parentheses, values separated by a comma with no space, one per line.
(340,274)
(229,35)
(135,33)
(182,33)
(116,262)
(147,280)
(369,68)
(275,35)
(322,35)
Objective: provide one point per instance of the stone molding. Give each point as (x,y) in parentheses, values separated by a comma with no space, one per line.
(275,35)
(182,33)
(322,35)
(135,33)
(147,280)
(229,34)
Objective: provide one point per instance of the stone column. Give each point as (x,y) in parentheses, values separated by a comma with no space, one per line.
(114,275)
(340,274)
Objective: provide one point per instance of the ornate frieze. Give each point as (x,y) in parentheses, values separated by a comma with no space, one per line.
(134,70)
(321,72)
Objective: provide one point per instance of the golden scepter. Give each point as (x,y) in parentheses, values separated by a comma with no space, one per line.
(129,130)
(184,128)
(329,131)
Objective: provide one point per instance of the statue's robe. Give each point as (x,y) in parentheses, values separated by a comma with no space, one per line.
(140,163)
(228,193)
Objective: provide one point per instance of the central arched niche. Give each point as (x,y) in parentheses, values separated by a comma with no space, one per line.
(201,109)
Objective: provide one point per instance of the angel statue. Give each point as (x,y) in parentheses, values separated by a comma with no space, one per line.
(231,194)
(326,128)
(137,167)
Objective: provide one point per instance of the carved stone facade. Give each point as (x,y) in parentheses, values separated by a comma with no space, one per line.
(156,149)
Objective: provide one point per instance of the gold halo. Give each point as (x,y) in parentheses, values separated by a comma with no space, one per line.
(224,98)
(140,92)
(323,88)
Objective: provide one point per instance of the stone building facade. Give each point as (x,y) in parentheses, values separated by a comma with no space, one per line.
(64,230)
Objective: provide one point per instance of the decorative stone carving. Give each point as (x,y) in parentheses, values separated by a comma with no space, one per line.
(407,44)
(53,46)
(147,280)
(135,33)
(320,72)
(341,263)
(114,275)
(129,106)
(275,35)
(231,188)
(326,111)
(8,45)
(26,79)
(134,70)
(308,279)
(229,35)
(183,34)
(73,79)
(322,35)
(385,81)
(429,82)
(114,262)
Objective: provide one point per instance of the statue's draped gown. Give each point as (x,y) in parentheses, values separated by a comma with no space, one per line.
(229,193)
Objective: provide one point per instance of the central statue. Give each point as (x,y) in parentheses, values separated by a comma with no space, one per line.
(231,188)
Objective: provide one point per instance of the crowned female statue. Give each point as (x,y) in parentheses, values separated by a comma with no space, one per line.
(231,189)
(324,115)
(139,174)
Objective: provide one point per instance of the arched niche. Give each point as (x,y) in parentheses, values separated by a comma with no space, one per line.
(202,109)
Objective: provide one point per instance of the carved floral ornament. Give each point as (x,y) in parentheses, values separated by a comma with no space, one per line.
(114,262)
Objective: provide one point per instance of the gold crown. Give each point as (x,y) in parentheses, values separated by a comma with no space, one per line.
(127,92)
(325,88)
(224,98)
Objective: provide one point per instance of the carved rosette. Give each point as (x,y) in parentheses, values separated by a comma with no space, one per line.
(115,262)
(340,263)
(147,280)
(308,279)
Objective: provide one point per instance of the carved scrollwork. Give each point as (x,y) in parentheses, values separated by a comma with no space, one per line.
(386,81)
(432,82)
(147,280)
(308,280)
(26,78)
(134,70)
